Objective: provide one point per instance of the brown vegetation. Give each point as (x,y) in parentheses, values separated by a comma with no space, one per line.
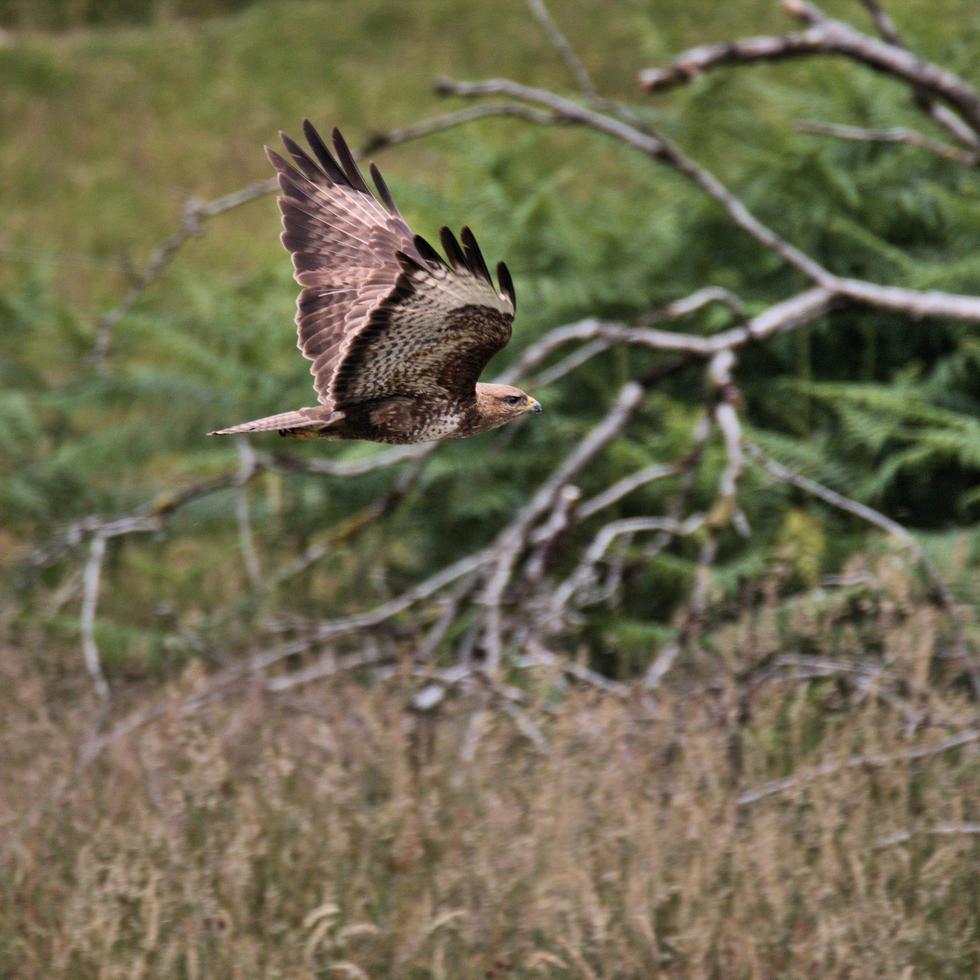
(800,815)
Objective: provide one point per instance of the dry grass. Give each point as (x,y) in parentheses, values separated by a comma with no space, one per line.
(338,834)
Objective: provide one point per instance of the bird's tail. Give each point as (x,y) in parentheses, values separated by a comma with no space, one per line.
(305,423)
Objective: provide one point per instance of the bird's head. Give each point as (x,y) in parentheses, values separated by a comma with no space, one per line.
(498,404)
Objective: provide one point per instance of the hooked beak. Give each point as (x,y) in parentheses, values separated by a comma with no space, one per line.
(535,407)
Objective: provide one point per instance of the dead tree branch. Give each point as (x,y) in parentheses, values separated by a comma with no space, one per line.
(940,114)
(902,534)
(564,595)
(513,538)
(910,302)
(824,35)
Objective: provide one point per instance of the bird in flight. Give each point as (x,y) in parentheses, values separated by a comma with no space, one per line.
(398,335)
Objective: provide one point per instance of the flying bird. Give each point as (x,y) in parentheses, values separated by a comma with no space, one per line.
(398,335)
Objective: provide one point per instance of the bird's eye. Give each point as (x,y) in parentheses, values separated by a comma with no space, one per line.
(513,400)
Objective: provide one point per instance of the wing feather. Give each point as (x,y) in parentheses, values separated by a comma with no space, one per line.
(381,313)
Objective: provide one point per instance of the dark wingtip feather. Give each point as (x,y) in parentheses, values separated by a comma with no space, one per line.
(427,251)
(407,262)
(287,172)
(506,284)
(451,247)
(383,191)
(302,158)
(327,161)
(474,257)
(276,159)
(347,162)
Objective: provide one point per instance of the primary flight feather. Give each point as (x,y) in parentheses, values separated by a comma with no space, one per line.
(398,335)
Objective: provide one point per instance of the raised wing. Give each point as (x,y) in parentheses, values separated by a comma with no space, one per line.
(381,313)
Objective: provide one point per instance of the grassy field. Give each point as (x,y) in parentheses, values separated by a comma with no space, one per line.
(334,832)
(798,800)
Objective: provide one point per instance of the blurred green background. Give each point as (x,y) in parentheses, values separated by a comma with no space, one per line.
(114,114)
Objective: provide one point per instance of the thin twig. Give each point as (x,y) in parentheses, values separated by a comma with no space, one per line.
(898,134)
(565,593)
(939,830)
(802,779)
(621,488)
(546,539)
(572,61)
(90,601)
(450,120)
(694,302)
(246,539)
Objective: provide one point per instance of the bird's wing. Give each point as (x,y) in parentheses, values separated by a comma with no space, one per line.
(381,313)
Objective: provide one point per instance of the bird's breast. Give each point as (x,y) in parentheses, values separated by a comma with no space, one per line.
(402,421)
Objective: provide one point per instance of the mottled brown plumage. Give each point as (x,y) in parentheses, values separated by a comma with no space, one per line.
(397,335)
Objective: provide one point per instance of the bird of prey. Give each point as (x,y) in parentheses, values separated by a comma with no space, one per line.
(397,334)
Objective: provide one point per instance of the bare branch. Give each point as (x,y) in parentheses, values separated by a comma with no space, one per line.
(816,40)
(327,666)
(246,539)
(779,318)
(90,601)
(913,303)
(879,520)
(883,23)
(323,466)
(332,629)
(969,158)
(547,536)
(693,616)
(696,301)
(438,124)
(940,830)
(725,510)
(833,498)
(153,517)
(725,415)
(616,491)
(802,779)
(447,617)
(940,114)
(694,62)
(565,593)
(539,657)
(927,79)
(652,144)
(825,35)
(910,302)
(570,362)
(511,541)
(572,61)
